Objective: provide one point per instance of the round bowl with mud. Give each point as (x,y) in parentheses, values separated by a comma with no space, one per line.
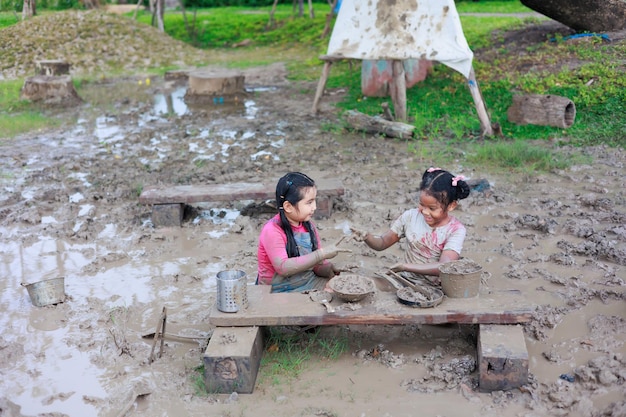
(351,287)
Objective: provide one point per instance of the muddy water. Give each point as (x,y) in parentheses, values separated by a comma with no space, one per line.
(68,205)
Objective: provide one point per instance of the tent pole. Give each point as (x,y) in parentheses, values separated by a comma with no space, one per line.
(321,85)
(481,109)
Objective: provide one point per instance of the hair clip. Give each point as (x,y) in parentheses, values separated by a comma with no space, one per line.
(431,169)
(456,179)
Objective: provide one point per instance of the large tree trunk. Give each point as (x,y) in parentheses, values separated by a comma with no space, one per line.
(583,15)
(29,9)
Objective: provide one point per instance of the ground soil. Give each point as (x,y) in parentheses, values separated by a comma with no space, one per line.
(69,207)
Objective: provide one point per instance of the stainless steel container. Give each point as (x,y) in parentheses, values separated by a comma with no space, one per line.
(50,291)
(232,291)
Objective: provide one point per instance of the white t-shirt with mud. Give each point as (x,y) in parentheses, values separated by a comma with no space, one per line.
(424,243)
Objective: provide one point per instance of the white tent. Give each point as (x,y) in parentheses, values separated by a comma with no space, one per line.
(401,30)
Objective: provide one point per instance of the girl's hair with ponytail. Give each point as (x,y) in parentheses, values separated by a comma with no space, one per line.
(291,188)
(444,186)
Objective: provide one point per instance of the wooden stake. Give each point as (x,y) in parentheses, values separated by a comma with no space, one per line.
(160,332)
(398,91)
(321,85)
(481,109)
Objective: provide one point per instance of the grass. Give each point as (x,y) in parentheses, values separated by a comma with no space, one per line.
(517,155)
(287,352)
(19,116)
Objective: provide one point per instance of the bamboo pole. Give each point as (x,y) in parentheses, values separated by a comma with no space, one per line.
(481,109)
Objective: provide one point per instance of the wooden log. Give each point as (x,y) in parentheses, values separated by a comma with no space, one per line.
(50,90)
(583,15)
(543,110)
(377,124)
(53,67)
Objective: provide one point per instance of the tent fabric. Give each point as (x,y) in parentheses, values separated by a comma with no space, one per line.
(401,30)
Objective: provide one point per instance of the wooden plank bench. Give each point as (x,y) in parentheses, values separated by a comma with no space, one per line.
(168,202)
(494,313)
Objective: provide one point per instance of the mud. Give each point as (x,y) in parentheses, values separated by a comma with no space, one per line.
(69,207)
(350,287)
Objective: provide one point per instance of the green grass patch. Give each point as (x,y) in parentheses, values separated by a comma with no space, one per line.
(9,18)
(19,116)
(518,155)
(223,27)
(289,351)
(488,6)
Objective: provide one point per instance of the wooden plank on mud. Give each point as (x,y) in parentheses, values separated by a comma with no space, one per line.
(187,194)
(279,309)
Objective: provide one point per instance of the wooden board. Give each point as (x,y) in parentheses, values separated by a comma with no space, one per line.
(267,309)
(225,192)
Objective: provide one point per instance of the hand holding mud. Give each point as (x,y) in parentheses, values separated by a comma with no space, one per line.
(330,251)
(358,235)
(397,268)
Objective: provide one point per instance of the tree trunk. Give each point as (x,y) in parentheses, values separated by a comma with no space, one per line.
(50,90)
(157,16)
(29,9)
(583,15)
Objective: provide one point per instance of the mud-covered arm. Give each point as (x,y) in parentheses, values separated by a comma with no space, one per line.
(286,266)
(381,242)
(274,243)
(429,268)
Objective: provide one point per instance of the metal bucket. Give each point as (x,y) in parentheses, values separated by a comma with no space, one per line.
(232,291)
(50,291)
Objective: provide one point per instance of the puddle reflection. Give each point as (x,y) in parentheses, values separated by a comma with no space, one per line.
(50,349)
(172,103)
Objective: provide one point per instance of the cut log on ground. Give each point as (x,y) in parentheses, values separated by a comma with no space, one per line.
(377,124)
(543,110)
(583,15)
(53,67)
(50,90)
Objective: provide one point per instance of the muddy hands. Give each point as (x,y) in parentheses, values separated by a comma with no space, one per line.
(331,251)
(358,235)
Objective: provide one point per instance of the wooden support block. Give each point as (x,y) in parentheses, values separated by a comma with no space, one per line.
(502,357)
(232,359)
(167,215)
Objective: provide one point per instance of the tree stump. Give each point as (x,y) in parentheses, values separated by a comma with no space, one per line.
(219,87)
(53,67)
(50,90)
(543,110)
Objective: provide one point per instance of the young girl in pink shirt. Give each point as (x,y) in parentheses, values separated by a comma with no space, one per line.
(290,256)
